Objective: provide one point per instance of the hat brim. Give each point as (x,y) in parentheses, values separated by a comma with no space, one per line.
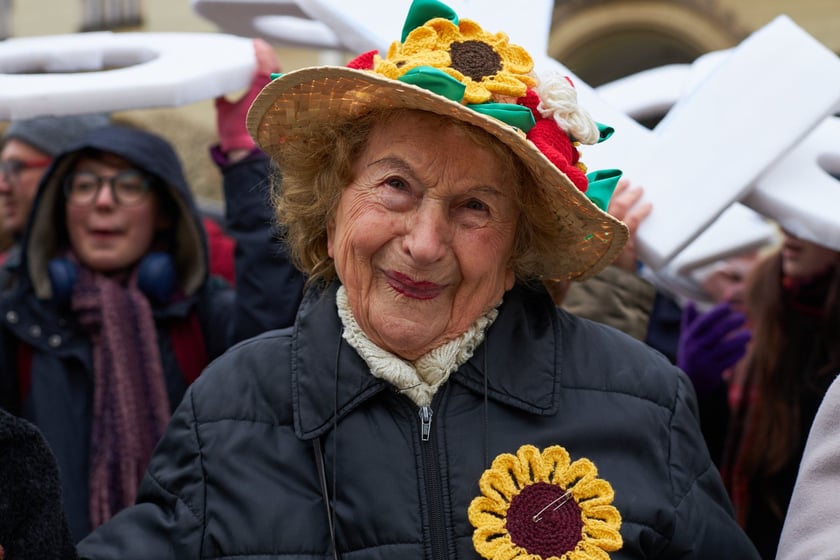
(313,96)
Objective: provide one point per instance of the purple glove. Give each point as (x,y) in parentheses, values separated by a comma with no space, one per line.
(710,343)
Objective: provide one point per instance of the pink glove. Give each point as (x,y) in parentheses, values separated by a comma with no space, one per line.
(230,115)
(710,343)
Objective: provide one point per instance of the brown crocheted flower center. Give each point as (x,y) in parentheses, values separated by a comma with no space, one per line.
(544,522)
(474,59)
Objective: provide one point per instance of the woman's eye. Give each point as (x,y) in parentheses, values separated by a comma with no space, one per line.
(84,186)
(475,204)
(131,187)
(396,183)
(473,213)
(396,194)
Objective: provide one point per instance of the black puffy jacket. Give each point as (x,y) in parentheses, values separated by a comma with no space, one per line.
(237,474)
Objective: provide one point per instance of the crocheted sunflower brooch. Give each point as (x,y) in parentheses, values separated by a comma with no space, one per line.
(538,505)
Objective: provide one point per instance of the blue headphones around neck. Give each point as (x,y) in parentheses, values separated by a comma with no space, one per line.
(155,277)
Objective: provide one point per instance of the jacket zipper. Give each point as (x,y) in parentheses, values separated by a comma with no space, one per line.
(425,422)
(434,489)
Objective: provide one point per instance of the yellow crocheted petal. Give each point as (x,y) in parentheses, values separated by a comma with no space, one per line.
(386,68)
(505,84)
(596,491)
(531,459)
(603,537)
(487,522)
(589,551)
(475,92)
(579,471)
(438,59)
(471,31)
(452,72)
(517,60)
(492,544)
(487,512)
(601,528)
(509,551)
(422,39)
(556,458)
(607,515)
(514,468)
(498,485)
(445,31)
(393,50)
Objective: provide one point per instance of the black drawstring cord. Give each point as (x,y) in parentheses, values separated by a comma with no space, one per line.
(319,460)
(336,555)
(322,476)
(486,411)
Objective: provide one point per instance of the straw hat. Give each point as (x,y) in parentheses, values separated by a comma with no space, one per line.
(441,66)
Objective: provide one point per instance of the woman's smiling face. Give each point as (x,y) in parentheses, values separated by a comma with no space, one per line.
(107,236)
(422,238)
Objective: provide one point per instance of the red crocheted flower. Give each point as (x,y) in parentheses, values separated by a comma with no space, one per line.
(554,143)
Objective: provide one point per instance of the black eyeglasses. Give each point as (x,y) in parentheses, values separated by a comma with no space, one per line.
(11,169)
(128,187)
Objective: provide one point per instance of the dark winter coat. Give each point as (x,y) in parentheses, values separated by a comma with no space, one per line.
(32,522)
(237,475)
(56,393)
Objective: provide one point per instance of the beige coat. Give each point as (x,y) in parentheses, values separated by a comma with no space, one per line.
(812,525)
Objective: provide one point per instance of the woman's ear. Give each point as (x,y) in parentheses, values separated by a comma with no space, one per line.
(510,278)
(330,235)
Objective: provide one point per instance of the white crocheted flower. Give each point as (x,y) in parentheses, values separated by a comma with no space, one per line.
(558,100)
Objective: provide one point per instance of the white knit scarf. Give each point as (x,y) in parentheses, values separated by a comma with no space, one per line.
(419,380)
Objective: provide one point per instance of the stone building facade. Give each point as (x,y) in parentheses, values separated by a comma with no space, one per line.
(601,40)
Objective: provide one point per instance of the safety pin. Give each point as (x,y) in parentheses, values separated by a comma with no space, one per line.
(562,501)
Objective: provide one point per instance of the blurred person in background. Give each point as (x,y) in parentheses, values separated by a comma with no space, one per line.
(758,409)
(793,305)
(27,149)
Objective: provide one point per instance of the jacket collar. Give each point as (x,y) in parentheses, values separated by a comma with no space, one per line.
(520,357)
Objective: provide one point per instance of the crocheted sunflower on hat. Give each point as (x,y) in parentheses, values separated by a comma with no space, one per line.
(456,58)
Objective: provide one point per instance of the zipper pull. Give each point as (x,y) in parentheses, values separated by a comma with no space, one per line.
(425,422)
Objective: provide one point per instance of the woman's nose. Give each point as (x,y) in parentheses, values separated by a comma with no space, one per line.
(428,233)
(105,194)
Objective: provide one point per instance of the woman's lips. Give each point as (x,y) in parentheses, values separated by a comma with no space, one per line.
(411,288)
(103,234)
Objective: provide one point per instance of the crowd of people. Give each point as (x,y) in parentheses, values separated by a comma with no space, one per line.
(425,335)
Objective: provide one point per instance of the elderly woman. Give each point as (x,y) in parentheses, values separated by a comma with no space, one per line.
(430,400)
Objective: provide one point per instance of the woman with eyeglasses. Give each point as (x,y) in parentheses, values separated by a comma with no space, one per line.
(116,313)
(27,149)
